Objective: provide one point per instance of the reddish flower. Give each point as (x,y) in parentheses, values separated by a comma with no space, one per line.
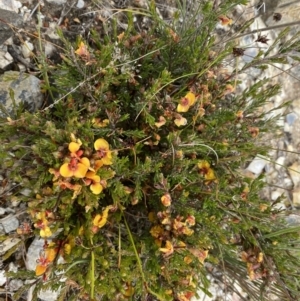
(225,20)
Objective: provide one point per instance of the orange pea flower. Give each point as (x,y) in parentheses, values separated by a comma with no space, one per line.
(82,51)
(166,199)
(225,20)
(45,260)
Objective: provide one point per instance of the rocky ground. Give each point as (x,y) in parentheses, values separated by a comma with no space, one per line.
(19,43)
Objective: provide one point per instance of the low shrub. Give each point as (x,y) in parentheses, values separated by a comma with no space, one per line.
(134,170)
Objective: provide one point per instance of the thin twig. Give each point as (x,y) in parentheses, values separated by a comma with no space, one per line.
(264,29)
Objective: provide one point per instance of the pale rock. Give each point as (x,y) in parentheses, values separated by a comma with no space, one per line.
(291,118)
(288,183)
(26,192)
(249,54)
(48,295)
(279,206)
(21,67)
(4,59)
(49,49)
(287,128)
(10,5)
(9,19)
(15,284)
(8,57)
(2,278)
(10,210)
(290,148)
(2,211)
(294,171)
(8,244)
(9,223)
(258,164)
(26,89)
(26,13)
(280,121)
(26,49)
(280,162)
(51,31)
(296,197)
(12,267)
(293,219)
(33,253)
(275,195)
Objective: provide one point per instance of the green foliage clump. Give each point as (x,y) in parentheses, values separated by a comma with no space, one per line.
(135,169)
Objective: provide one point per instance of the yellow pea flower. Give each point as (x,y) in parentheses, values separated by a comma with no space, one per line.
(186,102)
(103,152)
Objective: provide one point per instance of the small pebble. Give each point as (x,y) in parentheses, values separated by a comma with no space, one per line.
(15,284)
(293,219)
(2,278)
(80,4)
(280,162)
(2,211)
(9,223)
(27,48)
(290,118)
(26,191)
(258,164)
(275,195)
